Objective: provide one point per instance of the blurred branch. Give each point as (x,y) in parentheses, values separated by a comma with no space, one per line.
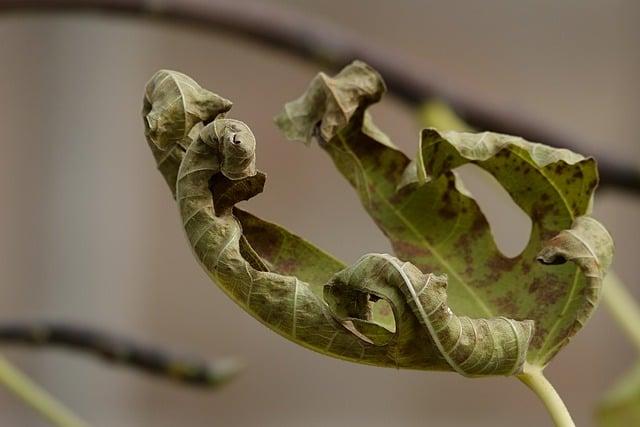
(623,307)
(315,40)
(119,351)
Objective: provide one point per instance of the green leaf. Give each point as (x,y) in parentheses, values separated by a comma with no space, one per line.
(288,254)
(434,223)
(306,295)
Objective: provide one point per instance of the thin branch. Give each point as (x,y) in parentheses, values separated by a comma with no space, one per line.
(37,398)
(623,307)
(119,351)
(315,40)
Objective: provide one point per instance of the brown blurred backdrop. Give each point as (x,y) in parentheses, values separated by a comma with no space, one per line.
(89,233)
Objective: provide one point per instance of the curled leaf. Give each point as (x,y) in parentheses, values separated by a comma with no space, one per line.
(173,105)
(434,223)
(471,347)
(587,243)
(226,192)
(309,297)
(320,111)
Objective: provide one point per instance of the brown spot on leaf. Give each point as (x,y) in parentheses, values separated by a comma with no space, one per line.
(501,263)
(537,213)
(547,291)
(498,265)
(538,337)
(408,251)
(451,183)
(507,305)
(447,212)
(479,225)
(463,246)
(286,266)
(534,286)
(385,310)
(264,240)
(560,167)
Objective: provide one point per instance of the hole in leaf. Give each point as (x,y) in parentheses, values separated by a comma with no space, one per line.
(379,326)
(510,225)
(367,316)
(382,313)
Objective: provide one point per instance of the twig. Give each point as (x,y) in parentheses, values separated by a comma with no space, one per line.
(41,401)
(623,307)
(119,351)
(334,48)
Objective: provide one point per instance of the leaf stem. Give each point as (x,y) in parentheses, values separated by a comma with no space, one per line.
(538,383)
(41,401)
(623,307)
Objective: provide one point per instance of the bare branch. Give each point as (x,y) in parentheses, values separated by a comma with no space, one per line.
(118,350)
(315,40)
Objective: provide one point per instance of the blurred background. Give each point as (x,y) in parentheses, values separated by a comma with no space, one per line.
(89,232)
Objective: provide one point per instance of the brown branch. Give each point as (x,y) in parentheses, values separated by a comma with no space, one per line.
(334,48)
(117,350)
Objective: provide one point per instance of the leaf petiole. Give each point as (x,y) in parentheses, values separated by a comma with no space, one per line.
(534,378)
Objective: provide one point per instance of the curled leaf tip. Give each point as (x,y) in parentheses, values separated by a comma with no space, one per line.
(235,146)
(330,103)
(471,347)
(173,104)
(587,243)
(175,108)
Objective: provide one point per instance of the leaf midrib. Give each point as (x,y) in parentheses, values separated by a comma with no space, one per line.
(543,350)
(416,233)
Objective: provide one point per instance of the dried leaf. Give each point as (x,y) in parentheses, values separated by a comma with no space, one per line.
(287,254)
(173,105)
(306,295)
(227,192)
(434,223)
(472,347)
